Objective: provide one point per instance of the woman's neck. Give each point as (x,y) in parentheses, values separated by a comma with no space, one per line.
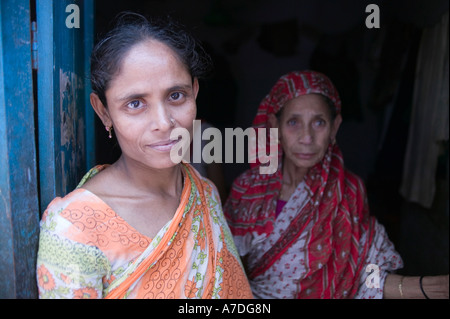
(292,175)
(144,179)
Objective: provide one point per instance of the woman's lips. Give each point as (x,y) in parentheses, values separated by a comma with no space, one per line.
(305,156)
(164,146)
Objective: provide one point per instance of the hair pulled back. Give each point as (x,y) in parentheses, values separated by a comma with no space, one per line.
(131,29)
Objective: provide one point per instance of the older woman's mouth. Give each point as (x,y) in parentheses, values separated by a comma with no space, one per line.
(305,156)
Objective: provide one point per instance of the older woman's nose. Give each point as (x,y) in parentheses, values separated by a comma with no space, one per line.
(306,135)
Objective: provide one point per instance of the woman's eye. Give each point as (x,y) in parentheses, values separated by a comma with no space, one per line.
(291,122)
(176,96)
(134,104)
(320,122)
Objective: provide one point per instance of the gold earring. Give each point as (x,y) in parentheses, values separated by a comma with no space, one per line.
(109,129)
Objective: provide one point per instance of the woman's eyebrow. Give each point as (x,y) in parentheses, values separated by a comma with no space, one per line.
(136,96)
(131,96)
(183,87)
(318,114)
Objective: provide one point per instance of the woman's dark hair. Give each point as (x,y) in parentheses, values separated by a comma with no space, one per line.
(131,29)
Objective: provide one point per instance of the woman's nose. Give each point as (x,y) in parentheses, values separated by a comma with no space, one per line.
(160,119)
(306,135)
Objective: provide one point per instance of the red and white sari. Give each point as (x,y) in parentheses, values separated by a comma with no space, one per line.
(321,243)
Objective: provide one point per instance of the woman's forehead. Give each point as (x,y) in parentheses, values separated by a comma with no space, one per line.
(149,65)
(148,54)
(306,103)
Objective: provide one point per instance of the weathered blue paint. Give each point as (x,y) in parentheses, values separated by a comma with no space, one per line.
(64,115)
(64,132)
(19,207)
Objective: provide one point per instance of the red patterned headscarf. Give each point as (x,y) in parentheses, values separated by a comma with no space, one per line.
(293,85)
(288,87)
(337,206)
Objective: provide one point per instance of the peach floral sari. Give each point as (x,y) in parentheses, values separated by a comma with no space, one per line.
(87,251)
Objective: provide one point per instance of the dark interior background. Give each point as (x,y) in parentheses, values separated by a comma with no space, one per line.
(254,42)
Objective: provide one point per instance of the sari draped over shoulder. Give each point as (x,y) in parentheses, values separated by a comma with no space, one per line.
(192,256)
(324,237)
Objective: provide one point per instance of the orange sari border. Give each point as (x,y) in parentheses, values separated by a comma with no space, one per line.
(195,256)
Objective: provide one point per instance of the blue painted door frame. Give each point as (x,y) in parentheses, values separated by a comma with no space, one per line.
(66,120)
(44,144)
(18,183)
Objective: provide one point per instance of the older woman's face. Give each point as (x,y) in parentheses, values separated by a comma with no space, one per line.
(306,129)
(152,94)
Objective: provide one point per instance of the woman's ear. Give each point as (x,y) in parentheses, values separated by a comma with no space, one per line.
(100,109)
(335,127)
(195,87)
(273,121)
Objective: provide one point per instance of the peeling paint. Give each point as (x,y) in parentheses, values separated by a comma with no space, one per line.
(66,99)
(71,126)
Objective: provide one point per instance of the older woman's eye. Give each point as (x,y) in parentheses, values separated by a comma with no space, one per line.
(320,122)
(292,122)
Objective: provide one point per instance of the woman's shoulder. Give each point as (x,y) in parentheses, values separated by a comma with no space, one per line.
(91,176)
(73,201)
(354,181)
(65,217)
(78,198)
(208,186)
(72,198)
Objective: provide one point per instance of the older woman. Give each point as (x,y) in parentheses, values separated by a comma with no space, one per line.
(305,230)
(143,227)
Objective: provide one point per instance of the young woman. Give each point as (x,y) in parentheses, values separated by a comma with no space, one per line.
(143,227)
(305,231)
